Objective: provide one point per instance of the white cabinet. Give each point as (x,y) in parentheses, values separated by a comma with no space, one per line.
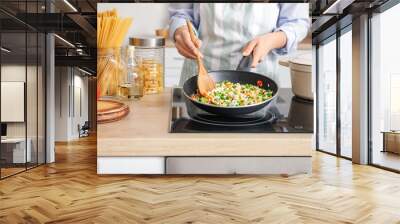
(16,148)
(173,66)
(204,165)
(130,165)
(238,165)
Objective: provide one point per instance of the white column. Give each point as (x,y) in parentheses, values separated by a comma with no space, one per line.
(360,90)
(50,99)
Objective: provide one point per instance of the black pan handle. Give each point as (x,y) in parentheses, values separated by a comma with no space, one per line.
(245,63)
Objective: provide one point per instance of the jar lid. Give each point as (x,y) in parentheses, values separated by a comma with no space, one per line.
(147,41)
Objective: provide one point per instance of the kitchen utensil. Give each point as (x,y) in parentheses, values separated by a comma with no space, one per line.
(185,117)
(135,79)
(162,33)
(109,110)
(242,75)
(204,82)
(149,55)
(301,76)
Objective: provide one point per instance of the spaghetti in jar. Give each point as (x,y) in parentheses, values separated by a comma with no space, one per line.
(110,68)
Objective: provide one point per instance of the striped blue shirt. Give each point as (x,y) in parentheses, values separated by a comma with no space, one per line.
(293,20)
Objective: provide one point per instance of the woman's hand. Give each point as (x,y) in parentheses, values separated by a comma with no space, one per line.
(262,45)
(186,47)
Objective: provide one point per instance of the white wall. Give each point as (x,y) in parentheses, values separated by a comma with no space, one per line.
(17,73)
(147,17)
(82,82)
(14,73)
(12,101)
(69,82)
(61,103)
(80,110)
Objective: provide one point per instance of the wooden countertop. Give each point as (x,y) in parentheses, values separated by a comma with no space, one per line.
(144,132)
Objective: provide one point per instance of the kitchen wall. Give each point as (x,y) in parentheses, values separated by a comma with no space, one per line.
(146,17)
(71,102)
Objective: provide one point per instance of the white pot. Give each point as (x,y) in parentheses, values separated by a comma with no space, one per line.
(301,76)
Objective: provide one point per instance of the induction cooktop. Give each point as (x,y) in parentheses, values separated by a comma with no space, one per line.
(286,114)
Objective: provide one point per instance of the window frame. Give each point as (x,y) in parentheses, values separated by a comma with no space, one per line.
(347,27)
(29,29)
(378,10)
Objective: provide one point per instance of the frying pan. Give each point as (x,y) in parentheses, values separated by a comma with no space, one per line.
(242,75)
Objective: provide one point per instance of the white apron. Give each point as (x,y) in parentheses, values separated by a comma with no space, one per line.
(225,28)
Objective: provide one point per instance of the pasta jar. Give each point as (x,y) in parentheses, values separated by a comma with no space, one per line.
(149,54)
(110,68)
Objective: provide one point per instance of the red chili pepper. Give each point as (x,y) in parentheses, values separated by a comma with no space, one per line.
(259,83)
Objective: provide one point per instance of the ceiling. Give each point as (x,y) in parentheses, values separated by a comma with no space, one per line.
(328,16)
(74,22)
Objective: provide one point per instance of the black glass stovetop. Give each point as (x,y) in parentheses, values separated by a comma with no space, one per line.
(286,114)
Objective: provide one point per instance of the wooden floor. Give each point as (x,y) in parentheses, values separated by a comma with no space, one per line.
(70,191)
(387,159)
(5,172)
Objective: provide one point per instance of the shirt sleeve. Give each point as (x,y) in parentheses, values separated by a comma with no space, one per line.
(294,21)
(178,13)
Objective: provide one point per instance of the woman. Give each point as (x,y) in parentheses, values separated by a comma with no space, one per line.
(229,31)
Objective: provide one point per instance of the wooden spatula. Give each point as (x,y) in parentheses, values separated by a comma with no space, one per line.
(204,81)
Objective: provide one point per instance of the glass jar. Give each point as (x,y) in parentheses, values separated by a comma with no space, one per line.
(149,55)
(134,81)
(123,83)
(110,69)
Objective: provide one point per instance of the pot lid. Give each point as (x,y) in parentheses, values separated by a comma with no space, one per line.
(302,59)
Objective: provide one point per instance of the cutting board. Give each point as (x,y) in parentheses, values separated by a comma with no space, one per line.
(110,111)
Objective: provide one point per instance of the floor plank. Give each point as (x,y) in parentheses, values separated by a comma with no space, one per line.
(70,191)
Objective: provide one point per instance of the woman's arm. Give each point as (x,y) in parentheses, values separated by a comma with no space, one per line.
(262,45)
(178,30)
(178,13)
(294,21)
(292,27)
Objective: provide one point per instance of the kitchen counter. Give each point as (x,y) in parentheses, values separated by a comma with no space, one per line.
(144,133)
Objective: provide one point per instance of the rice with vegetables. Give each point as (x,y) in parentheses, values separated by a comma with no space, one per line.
(228,94)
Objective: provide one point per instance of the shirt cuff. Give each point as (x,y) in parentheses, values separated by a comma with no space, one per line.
(290,40)
(175,24)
